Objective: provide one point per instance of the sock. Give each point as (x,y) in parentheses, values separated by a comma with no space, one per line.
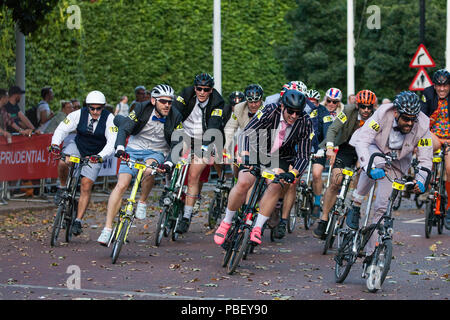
(260,220)
(107,229)
(228,216)
(447,188)
(317,200)
(79,220)
(188,212)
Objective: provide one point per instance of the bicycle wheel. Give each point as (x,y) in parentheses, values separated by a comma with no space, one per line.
(228,246)
(380,266)
(330,235)
(238,250)
(292,220)
(161,225)
(214,210)
(57,223)
(70,218)
(419,203)
(397,201)
(429,216)
(308,221)
(122,233)
(344,258)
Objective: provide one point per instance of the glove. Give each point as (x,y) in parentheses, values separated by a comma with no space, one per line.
(165,167)
(319,154)
(289,177)
(377,173)
(421,186)
(95,159)
(54,149)
(122,155)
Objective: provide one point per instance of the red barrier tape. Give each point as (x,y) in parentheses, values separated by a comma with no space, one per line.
(27,158)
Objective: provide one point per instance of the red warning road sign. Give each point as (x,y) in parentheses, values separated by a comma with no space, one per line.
(421,81)
(422,58)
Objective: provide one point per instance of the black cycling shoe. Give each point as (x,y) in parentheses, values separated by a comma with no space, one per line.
(77,229)
(353,217)
(183,226)
(280,230)
(319,232)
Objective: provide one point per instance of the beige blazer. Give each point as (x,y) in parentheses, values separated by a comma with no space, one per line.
(376,130)
(238,120)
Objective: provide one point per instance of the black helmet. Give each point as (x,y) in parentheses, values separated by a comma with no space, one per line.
(235,97)
(294,99)
(408,103)
(204,79)
(254,92)
(441,76)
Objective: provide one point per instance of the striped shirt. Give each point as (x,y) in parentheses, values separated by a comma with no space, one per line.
(259,135)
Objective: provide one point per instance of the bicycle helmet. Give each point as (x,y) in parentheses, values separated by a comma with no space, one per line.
(366,97)
(313,94)
(204,79)
(163,90)
(253,92)
(294,85)
(441,76)
(95,97)
(294,99)
(236,97)
(139,88)
(334,93)
(408,103)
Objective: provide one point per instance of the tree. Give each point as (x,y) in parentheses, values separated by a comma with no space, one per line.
(29,14)
(317,53)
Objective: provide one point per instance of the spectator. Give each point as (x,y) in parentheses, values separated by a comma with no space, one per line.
(139,92)
(147,95)
(351,99)
(44,113)
(66,108)
(6,120)
(76,104)
(122,107)
(12,107)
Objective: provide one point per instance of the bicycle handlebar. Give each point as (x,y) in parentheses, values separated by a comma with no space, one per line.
(393,156)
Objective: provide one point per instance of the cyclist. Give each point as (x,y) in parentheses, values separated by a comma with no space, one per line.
(436,105)
(338,135)
(291,147)
(242,114)
(202,108)
(150,125)
(399,127)
(235,97)
(326,113)
(313,96)
(96,135)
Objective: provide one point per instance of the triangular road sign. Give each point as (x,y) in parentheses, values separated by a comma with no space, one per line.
(421,81)
(422,58)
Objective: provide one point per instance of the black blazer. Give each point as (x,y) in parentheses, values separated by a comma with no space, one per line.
(431,101)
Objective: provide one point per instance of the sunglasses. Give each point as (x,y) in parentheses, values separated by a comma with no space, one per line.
(203,89)
(164,101)
(333,101)
(408,119)
(95,109)
(253,99)
(292,111)
(365,106)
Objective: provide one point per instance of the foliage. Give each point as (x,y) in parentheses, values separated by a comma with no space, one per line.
(123,44)
(317,51)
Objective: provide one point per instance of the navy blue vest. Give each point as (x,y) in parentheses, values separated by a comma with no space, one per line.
(87,143)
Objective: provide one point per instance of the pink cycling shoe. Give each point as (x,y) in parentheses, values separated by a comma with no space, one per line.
(221,233)
(255,235)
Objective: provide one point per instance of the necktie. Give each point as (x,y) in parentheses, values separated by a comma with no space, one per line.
(280,137)
(361,123)
(333,113)
(250,115)
(90,128)
(162,120)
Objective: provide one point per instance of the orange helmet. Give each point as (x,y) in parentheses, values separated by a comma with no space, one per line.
(366,97)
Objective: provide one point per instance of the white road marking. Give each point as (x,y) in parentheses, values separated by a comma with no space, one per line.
(133,293)
(418,221)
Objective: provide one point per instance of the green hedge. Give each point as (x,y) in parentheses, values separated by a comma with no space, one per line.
(122,44)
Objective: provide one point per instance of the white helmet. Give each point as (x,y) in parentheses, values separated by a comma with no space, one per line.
(334,93)
(313,94)
(95,97)
(163,90)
